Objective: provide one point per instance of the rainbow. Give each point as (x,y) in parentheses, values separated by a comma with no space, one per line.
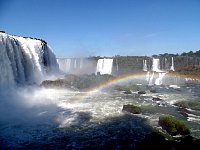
(116,80)
(120,79)
(124,78)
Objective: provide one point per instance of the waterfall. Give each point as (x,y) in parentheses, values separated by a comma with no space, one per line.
(156,68)
(172,66)
(156,65)
(64,64)
(24,60)
(75,63)
(161,75)
(104,66)
(148,76)
(81,63)
(151,78)
(117,65)
(144,65)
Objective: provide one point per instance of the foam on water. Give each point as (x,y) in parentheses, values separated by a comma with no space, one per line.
(55,113)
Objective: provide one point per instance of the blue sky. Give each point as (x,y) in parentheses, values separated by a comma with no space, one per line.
(106,27)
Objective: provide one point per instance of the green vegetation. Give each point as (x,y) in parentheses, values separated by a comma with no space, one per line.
(195,104)
(79,82)
(128,88)
(191,71)
(173,126)
(55,83)
(132,109)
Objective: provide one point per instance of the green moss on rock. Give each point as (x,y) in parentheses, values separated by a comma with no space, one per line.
(132,109)
(195,104)
(173,125)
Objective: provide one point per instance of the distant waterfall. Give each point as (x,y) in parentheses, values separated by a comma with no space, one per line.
(75,63)
(151,77)
(117,65)
(144,65)
(81,63)
(161,75)
(64,64)
(158,77)
(156,65)
(172,66)
(104,66)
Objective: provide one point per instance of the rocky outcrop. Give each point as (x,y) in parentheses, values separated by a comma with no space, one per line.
(132,109)
(77,82)
(173,126)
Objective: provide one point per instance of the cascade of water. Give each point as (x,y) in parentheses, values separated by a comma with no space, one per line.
(64,64)
(117,65)
(148,76)
(151,78)
(81,63)
(161,75)
(144,65)
(156,65)
(68,64)
(104,66)
(156,68)
(75,63)
(172,66)
(24,60)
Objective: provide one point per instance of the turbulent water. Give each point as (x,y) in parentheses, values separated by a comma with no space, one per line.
(24,60)
(63,119)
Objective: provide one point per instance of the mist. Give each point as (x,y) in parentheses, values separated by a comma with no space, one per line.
(26,102)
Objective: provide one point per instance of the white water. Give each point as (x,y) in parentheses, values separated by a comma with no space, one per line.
(144,65)
(172,66)
(81,63)
(156,65)
(64,64)
(68,65)
(24,60)
(151,77)
(86,118)
(161,75)
(104,66)
(75,63)
(117,65)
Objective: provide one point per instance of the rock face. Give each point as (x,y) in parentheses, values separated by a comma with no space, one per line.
(24,60)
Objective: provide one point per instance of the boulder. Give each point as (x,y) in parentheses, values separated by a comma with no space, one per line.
(156,99)
(173,126)
(132,109)
(141,92)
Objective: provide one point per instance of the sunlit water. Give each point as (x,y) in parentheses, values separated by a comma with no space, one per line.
(63,119)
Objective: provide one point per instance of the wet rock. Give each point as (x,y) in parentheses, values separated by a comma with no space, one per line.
(141,92)
(173,126)
(136,95)
(132,109)
(127,92)
(183,111)
(153,91)
(156,99)
(182,104)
